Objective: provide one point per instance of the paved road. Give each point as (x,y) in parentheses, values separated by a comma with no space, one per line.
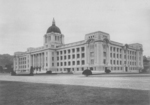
(125,81)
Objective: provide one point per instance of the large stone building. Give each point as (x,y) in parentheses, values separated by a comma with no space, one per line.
(96,52)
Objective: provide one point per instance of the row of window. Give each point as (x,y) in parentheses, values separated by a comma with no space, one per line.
(119,50)
(69,56)
(69,63)
(69,50)
(120,62)
(113,55)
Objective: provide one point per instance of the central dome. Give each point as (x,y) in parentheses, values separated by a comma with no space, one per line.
(53,28)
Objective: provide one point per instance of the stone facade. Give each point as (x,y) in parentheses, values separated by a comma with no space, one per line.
(96,52)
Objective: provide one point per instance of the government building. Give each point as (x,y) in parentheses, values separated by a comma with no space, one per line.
(96,52)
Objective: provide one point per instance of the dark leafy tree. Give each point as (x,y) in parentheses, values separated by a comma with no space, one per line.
(87,72)
(1,69)
(31,71)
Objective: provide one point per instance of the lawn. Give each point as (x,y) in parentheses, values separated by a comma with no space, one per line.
(21,93)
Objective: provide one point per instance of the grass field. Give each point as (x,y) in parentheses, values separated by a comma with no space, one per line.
(21,93)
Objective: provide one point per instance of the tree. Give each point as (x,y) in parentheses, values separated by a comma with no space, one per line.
(1,69)
(146,64)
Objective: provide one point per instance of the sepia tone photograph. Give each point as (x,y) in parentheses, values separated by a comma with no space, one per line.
(74,52)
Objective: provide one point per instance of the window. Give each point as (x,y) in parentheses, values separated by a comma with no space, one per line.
(117,49)
(78,55)
(73,50)
(92,61)
(64,57)
(114,55)
(64,51)
(73,56)
(61,57)
(117,62)
(52,53)
(104,61)
(114,49)
(61,64)
(64,63)
(57,64)
(124,56)
(111,61)
(52,58)
(104,53)
(114,62)
(68,63)
(68,51)
(78,62)
(60,52)
(110,48)
(78,49)
(110,54)
(82,48)
(82,55)
(83,62)
(57,58)
(73,62)
(52,64)
(68,56)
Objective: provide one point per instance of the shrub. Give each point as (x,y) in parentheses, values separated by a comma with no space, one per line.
(87,72)
(49,72)
(13,73)
(107,71)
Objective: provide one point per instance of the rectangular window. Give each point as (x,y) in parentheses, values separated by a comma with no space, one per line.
(82,55)
(64,57)
(114,49)
(104,53)
(68,56)
(68,63)
(114,62)
(73,56)
(83,62)
(52,58)
(82,48)
(60,52)
(73,62)
(64,51)
(73,50)
(78,55)
(68,51)
(104,61)
(78,62)
(52,64)
(78,49)
(114,55)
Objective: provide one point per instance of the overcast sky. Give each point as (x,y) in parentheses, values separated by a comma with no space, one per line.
(23,23)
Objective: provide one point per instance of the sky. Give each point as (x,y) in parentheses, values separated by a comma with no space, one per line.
(23,23)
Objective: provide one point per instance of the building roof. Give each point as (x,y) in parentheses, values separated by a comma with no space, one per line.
(53,28)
